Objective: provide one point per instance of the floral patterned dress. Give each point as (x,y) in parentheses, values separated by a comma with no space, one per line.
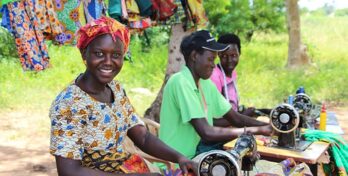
(85,129)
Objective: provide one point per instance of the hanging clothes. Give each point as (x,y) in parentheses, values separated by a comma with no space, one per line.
(135,21)
(71,17)
(31,47)
(93,9)
(163,9)
(48,20)
(144,7)
(5,22)
(115,9)
(198,13)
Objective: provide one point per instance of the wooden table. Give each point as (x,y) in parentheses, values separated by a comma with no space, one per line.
(313,155)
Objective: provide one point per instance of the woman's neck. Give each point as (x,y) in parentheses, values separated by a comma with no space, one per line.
(225,71)
(194,75)
(228,73)
(90,84)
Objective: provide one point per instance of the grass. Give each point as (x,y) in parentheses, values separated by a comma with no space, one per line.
(263,79)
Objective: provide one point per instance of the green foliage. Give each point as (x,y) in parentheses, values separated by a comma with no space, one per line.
(246,17)
(7,44)
(341,12)
(263,81)
(37,90)
(156,36)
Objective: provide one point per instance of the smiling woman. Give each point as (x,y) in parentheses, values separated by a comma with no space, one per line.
(92,116)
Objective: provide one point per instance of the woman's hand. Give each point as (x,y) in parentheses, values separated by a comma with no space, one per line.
(266,130)
(250,111)
(187,165)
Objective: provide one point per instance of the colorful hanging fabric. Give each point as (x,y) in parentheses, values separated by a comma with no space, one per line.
(115,9)
(5,22)
(135,21)
(30,42)
(71,17)
(144,7)
(163,9)
(177,17)
(124,10)
(94,9)
(132,7)
(140,24)
(198,13)
(48,20)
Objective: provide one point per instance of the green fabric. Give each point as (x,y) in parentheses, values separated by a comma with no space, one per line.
(3,2)
(338,149)
(144,7)
(182,101)
(115,10)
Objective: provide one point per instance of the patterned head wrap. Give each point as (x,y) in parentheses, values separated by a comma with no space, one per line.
(103,25)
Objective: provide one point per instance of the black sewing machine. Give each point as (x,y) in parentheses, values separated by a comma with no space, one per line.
(229,163)
(288,119)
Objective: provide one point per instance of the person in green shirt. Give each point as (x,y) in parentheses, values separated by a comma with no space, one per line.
(193,110)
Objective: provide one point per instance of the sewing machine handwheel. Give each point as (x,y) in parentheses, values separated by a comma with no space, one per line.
(303,102)
(284,118)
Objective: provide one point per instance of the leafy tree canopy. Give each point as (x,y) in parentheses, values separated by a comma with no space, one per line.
(245,17)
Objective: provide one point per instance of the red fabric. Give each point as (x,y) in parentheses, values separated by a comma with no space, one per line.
(103,25)
(135,164)
(163,9)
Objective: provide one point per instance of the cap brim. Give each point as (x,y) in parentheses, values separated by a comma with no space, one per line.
(215,46)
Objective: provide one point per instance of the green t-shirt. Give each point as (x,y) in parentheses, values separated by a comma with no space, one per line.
(182,101)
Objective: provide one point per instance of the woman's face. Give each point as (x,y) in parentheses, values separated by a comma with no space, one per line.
(229,59)
(104,58)
(204,63)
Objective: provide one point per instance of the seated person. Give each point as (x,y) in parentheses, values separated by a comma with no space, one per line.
(92,116)
(193,109)
(224,75)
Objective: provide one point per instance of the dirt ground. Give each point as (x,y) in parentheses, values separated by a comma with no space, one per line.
(24,142)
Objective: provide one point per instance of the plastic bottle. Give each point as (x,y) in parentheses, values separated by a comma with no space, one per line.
(290,99)
(322,122)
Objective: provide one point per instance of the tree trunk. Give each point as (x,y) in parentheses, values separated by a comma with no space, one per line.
(297,55)
(175,61)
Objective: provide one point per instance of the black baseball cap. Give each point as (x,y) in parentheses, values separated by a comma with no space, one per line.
(205,40)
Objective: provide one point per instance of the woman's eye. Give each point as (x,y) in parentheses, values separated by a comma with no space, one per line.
(116,55)
(99,54)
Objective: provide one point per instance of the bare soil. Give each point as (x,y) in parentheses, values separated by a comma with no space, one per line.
(24,142)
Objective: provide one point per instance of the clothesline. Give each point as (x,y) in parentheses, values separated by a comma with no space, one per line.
(32,22)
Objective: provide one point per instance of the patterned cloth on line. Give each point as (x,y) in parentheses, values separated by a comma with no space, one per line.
(31,47)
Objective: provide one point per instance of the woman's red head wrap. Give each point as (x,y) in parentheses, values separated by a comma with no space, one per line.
(103,25)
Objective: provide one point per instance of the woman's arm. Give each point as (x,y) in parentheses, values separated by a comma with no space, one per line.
(155,147)
(239,120)
(70,167)
(222,134)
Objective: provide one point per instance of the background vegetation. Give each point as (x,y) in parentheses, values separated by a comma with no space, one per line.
(263,80)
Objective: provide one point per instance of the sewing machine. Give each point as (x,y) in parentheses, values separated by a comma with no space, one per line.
(231,162)
(288,119)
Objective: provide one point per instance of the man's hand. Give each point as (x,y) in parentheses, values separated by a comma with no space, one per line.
(187,165)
